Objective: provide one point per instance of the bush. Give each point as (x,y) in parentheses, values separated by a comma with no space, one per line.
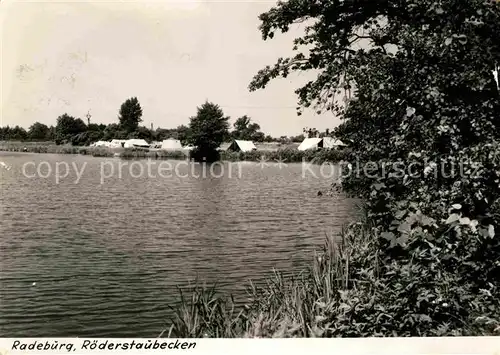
(350,290)
(288,155)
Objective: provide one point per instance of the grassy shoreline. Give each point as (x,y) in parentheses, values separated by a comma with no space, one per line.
(287,155)
(348,290)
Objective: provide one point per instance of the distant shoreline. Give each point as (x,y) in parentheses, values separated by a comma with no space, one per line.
(288,155)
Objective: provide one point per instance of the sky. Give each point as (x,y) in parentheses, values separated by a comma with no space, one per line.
(74,57)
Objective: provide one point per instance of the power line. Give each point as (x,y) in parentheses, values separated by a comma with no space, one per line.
(261,107)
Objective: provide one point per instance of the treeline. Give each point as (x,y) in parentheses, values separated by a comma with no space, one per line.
(76,131)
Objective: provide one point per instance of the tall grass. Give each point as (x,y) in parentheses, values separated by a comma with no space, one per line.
(52,148)
(299,306)
(348,290)
(137,153)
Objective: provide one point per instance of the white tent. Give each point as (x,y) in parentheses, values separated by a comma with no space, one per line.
(136,143)
(242,146)
(310,143)
(224,146)
(315,143)
(171,144)
(329,142)
(117,143)
(100,144)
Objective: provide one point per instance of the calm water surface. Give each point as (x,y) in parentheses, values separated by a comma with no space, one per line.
(105,259)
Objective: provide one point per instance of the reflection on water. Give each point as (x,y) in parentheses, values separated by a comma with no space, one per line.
(107,258)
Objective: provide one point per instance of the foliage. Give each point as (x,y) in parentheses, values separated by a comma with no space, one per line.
(348,291)
(208,129)
(141,133)
(244,130)
(311,132)
(52,148)
(38,132)
(297,139)
(134,153)
(288,155)
(130,115)
(182,133)
(73,130)
(113,131)
(15,133)
(67,127)
(424,99)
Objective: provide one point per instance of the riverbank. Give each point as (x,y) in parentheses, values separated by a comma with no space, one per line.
(347,291)
(286,155)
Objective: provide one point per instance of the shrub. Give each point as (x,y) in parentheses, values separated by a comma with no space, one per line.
(350,290)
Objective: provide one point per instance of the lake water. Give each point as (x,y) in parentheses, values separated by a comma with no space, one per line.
(102,256)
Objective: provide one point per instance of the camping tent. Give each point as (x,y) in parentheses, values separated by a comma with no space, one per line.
(100,144)
(117,143)
(330,142)
(314,143)
(136,143)
(224,146)
(310,143)
(242,146)
(171,144)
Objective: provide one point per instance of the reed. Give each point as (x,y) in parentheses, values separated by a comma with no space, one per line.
(348,290)
(43,147)
(96,151)
(137,153)
(52,148)
(298,306)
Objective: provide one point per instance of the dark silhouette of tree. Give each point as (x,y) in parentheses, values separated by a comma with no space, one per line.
(130,115)
(38,132)
(297,139)
(208,130)
(114,131)
(245,130)
(142,133)
(67,127)
(183,134)
(311,132)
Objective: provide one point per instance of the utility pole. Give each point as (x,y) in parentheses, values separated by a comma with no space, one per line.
(88,115)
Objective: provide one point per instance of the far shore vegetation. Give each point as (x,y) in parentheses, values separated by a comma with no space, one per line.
(207,131)
(287,153)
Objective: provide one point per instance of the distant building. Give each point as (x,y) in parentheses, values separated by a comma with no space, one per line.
(242,146)
(171,144)
(315,143)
